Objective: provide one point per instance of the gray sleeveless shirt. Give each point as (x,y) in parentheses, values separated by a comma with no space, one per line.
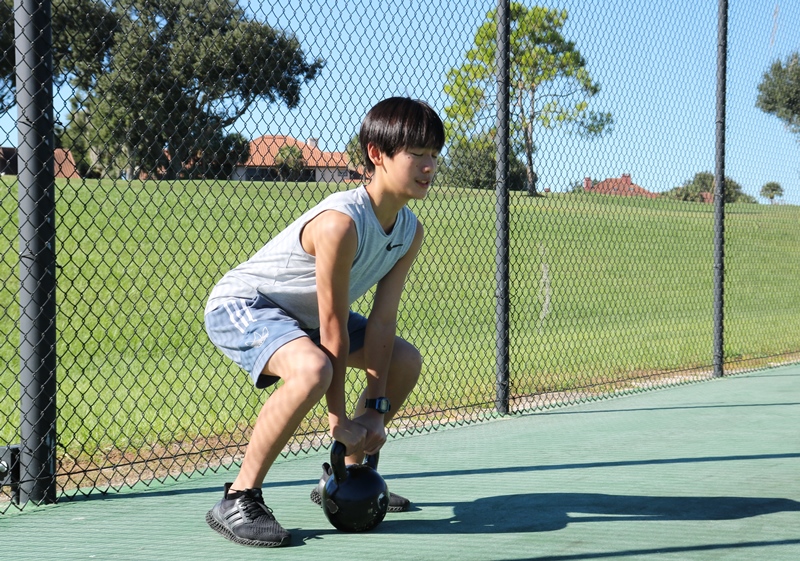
(286,274)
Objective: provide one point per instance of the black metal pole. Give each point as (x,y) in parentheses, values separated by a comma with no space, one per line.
(719,190)
(34,67)
(501,209)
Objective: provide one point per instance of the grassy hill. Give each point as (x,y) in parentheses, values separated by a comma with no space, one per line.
(602,288)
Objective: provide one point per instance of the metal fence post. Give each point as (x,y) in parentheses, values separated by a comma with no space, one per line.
(501,209)
(36,182)
(719,190)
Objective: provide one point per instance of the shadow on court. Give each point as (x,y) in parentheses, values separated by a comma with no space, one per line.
(662,551)
(547,512)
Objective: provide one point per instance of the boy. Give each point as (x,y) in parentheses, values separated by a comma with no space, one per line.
(285,313)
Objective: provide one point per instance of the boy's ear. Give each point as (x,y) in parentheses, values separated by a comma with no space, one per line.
(374,154)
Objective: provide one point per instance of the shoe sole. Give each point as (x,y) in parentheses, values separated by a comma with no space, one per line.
(405,508)
(225,532)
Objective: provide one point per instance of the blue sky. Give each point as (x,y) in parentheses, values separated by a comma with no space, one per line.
(655,62)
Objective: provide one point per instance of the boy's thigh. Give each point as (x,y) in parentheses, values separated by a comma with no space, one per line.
(249,332)
(356,330)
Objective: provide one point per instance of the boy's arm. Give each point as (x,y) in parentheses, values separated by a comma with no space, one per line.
(335,241)
(379,339)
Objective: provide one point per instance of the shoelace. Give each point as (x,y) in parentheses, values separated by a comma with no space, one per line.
(253,505)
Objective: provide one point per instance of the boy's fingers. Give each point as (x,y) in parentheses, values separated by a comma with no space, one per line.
(375,442)
(352,435)
(374,450)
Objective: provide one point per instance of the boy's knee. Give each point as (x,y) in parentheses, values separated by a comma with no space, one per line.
(410,363)
(320,373)
(314,372)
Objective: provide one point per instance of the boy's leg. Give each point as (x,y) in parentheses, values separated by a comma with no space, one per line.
(306,373)
(405,367)
(241,515)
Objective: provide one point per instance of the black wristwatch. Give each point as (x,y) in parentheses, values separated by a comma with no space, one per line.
(380,404)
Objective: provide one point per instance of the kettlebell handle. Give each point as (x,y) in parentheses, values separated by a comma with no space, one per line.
(338,454)
(372,460)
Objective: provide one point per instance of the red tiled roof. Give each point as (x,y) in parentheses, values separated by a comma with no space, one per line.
(264,149)
(64,164)
(622,186)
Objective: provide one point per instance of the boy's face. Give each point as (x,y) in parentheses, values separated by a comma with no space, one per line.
(410,171)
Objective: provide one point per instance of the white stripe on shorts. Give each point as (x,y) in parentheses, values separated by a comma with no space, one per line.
(239,314)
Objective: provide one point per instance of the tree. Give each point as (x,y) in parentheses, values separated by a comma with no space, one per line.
(701,189)
(289,161)
(550,85)
(771,190)
(179,73)
(218,158)
(471,163)
(76,137)
(355,154)
(82,35)
(779,92)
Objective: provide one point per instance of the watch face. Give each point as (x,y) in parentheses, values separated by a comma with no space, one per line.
(381,404)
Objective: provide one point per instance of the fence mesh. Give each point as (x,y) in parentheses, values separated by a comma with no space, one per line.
(188,133)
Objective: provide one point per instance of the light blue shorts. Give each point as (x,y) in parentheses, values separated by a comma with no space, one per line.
(250,331)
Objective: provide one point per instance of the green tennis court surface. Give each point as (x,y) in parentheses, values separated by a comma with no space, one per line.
(700,471)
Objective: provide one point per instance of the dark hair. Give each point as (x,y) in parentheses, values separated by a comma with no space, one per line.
(398,123)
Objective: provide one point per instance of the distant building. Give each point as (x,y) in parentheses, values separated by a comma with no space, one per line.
(63,164)
(328,167)
(8,161)
(621,186)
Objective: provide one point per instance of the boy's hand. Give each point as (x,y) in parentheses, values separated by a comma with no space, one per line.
(351,434)
(373,422)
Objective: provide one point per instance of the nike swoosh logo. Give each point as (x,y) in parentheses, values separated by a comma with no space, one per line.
(390,247)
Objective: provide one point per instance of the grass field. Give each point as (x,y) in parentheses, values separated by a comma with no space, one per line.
(602,289)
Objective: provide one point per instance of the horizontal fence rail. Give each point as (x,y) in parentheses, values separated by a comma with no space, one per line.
(573,236)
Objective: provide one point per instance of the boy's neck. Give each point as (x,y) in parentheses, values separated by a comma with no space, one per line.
(385,205)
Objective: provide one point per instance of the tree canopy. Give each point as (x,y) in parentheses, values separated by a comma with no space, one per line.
(179,72)
(701,189)
(156,82)
(471,163)
(289,161)
(354,153)
(779,92)
(549,81)
(771,190)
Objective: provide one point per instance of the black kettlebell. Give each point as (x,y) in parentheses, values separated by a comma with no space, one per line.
(354,497)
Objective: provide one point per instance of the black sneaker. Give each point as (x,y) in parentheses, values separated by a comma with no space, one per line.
(242,517)
(396,502)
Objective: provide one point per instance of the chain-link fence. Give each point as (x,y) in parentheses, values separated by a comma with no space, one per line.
(187,133)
